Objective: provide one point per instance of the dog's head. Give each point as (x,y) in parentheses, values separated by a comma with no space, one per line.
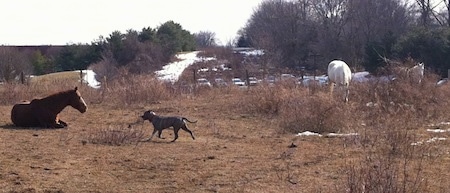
(148,115)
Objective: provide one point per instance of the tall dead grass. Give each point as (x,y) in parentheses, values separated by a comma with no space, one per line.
(386,116)
(120,92)
(135,89)
(375,105)
(12,93)
(296,109)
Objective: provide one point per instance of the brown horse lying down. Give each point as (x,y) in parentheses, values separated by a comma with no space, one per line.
(44,112)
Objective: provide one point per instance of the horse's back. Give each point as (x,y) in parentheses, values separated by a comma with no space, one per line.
(22,115)
(339,72)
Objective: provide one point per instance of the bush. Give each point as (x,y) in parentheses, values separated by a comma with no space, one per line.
(116,136)
(297,110)
(135,89)
(316,113)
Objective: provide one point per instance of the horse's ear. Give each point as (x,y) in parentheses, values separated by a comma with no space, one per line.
(76,88)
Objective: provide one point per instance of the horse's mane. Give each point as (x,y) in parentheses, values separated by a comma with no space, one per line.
(57,95)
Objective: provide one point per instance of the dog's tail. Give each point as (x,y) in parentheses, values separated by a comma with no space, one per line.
(184,118)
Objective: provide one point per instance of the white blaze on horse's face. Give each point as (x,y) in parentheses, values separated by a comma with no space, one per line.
(81,106)
(84,104)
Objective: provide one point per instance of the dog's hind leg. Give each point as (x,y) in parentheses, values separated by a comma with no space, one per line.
(159,134)
(175,131)
(184,127)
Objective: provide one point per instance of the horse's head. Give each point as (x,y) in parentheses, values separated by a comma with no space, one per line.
(76,101)
(421,67)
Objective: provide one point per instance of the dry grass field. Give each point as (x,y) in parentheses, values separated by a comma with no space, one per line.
(243,141)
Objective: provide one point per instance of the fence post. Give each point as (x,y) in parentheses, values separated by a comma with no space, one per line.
(22,78)
(81,77)
(105,86)
(247,79)
(194,74)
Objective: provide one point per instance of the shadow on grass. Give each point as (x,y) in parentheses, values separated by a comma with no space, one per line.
(156,141)
(13,127)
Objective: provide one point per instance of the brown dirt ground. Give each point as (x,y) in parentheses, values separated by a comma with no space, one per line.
(233,152)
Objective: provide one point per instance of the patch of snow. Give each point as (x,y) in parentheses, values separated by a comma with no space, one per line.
(247,51)
(360,76)
(309,133)
(253,53)
(172,71)
(203,70)
(371,104)
(439,124)
(223,67)
(341,134)
(434,139)
(441,82)
(438,130)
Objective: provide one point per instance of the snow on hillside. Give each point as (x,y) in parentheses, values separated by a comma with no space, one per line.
(172,71)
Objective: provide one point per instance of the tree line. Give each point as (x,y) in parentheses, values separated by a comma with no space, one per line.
(293,34)
(310,33)
(133,51)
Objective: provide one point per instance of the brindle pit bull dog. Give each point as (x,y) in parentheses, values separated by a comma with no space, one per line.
(160,123)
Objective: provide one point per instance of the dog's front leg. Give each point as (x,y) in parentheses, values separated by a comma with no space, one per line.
(153,133)
(159,134)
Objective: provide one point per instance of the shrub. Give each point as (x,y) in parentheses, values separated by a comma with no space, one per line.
(115,136)
(297,110)
(135,89)
(317,113)
(264,100)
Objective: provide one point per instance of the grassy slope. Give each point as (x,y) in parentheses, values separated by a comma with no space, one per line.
(232,153)
(55,77)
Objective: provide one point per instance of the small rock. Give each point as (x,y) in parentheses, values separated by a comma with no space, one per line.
(292,145)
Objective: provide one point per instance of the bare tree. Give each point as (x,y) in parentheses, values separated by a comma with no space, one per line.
(284,29)
(428,14)
(205,39)
(369,21)
(446,14)
(13,63)
(330,16)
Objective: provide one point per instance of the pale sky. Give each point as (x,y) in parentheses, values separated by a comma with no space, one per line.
(61,22)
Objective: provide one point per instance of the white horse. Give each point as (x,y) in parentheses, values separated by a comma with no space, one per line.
(417,72)
(339,73)
(414,74)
